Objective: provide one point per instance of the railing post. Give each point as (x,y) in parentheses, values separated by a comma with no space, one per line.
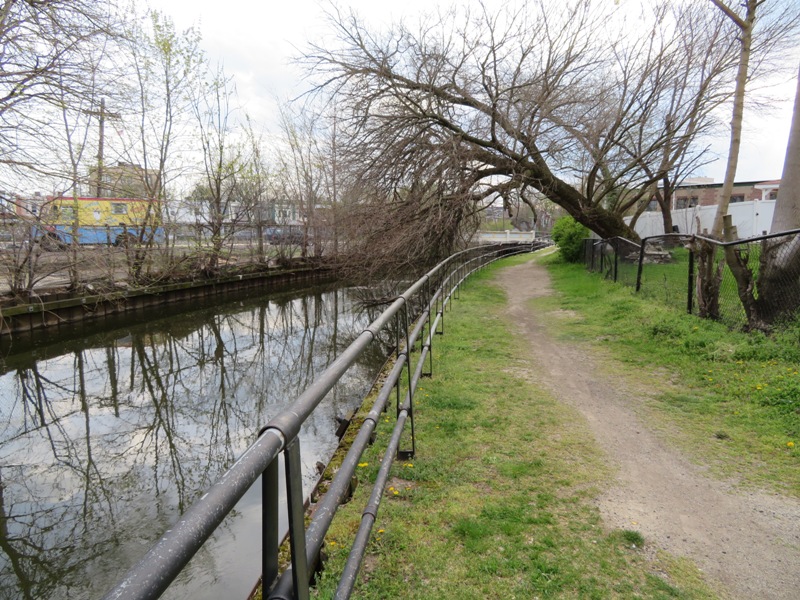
(641,262)
(297,530)
(405,454)
(430,336)
(602,258)
(690,284)
(440,310)
(407,326)
(269,526)
(398,345)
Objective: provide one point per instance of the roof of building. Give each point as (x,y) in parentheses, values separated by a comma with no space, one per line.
(771,182)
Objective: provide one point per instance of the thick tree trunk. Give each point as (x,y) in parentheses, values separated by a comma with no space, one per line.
(603,222)
(778,281)
(738,260)
(779,272)
(710,272)
(746,27)
(666,213)
(787,207)
(709,278)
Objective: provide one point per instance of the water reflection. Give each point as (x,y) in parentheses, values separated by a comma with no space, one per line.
(105,441)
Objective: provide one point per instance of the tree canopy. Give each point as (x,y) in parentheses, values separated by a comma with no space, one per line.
(576,101)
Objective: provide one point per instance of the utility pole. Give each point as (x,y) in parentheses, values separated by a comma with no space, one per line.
(101,117)
(102,120)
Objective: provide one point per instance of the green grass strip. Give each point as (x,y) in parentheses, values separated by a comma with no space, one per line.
(733,398)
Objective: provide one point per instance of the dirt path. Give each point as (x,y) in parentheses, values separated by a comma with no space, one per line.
(749,543)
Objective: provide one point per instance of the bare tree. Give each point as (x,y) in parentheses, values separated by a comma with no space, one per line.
(691,71)
(303,168)
(165,68)
(760,28)
(46,56)
(53,72)
(224,163)
(254,184)
(774,293)
(537,99)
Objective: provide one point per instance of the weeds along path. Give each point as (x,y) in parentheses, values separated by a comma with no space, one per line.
(747,542)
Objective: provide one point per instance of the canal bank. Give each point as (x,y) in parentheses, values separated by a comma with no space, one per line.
(59,308)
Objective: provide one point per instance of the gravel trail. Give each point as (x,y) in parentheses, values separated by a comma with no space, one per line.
(747,543)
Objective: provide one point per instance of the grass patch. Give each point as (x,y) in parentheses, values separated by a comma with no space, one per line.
(504,478)
(734,397)
(632,538)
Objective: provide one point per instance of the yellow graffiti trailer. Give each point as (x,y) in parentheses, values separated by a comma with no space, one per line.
(116,221)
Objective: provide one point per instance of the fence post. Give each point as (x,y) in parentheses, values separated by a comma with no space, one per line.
(690,283)
(616,260)
(429,297)
(641,262)
(269,525)
(297,529)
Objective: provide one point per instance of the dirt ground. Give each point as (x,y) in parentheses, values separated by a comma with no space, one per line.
(746,543)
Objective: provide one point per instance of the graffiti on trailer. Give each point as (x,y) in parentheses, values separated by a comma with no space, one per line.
(116,221)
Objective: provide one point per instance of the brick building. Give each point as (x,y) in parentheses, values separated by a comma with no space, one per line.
(691,194)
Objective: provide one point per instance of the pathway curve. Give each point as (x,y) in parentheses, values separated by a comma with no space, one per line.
(748,542)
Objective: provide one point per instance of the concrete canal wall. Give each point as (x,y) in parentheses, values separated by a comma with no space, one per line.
(59,309)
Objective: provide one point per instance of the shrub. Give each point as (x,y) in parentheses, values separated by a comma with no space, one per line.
(568,235)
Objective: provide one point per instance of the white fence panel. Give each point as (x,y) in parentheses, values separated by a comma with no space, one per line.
(751,219)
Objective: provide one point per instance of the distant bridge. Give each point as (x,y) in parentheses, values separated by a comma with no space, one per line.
(501,237)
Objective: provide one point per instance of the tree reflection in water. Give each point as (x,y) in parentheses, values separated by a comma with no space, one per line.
(105,441)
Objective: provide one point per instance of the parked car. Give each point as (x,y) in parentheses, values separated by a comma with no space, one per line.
(284,235)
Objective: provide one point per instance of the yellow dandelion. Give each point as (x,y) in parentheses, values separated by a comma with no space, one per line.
(380,530)
(363,464)
(790,444)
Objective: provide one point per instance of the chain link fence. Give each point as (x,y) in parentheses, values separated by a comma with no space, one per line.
(759,277)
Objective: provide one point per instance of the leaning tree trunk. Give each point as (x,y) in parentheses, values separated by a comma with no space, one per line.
(779,273)
(779,280)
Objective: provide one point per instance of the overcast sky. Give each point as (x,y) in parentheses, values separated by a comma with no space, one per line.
(256,41)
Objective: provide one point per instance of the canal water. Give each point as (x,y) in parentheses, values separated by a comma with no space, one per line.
(106,438)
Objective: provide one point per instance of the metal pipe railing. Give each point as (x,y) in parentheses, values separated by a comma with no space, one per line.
(151,576)
(370,514)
